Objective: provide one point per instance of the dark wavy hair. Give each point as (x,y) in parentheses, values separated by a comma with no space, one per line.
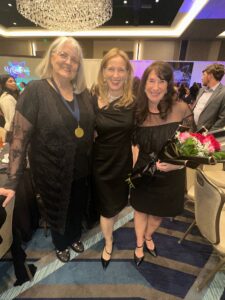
(3,80)
(165,72)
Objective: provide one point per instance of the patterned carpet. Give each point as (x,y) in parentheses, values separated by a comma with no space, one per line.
(170,276)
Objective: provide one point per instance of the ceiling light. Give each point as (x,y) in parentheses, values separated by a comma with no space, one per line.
(127,22)
(179,25)
(151,21)
(125,1)
(9,4)
(156,1)
(66,15)
(14,23)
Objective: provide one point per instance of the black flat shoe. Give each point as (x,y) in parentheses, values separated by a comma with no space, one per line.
(78,247)
(138,260)
(152,252)
(63,256)
(31,270)
(105,262)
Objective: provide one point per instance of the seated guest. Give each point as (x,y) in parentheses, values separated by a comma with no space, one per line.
(55,117)
(209,110)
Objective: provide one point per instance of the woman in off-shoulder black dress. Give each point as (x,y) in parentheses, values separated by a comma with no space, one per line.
(158,116)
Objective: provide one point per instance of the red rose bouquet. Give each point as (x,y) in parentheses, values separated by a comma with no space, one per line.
(192,149)
(183,148)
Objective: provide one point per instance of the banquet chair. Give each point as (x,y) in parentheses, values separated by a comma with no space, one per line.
(211,171)
(6,230)
(189,196)
(210,216)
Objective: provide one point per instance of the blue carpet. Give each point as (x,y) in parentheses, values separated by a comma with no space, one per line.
(192,253)
(169,276)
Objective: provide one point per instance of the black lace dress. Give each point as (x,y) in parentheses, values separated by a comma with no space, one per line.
(57,157)
(112,157)
(163,194)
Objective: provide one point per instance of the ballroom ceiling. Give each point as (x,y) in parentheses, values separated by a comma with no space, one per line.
(125,13)
(208,24)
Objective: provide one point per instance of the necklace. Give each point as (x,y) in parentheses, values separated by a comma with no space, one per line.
(113,98)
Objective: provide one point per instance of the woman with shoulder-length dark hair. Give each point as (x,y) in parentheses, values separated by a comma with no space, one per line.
(158,116)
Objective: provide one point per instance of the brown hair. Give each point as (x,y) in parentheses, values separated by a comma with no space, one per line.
(127,97)
(217,70)
(165,72)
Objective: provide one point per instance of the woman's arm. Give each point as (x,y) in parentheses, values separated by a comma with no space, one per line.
(18,149)
(135,152)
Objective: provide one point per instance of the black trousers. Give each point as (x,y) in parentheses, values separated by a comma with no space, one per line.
(78,199)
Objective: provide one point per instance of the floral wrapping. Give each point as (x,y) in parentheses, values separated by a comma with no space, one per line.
(183,148)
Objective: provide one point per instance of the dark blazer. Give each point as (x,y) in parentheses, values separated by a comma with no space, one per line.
(213,114)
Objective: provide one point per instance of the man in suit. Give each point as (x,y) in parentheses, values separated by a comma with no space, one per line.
(209,110)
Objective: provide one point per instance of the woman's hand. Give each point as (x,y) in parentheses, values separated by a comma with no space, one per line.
(166,167)
(8,193)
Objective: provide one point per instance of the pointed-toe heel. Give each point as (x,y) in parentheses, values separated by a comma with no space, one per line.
(138,260)
(152,252)
(105,262)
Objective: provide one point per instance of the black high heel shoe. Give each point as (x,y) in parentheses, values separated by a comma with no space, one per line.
(138,260)
(152,252)
(105,262)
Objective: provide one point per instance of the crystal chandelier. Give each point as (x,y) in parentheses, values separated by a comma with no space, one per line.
(66,15)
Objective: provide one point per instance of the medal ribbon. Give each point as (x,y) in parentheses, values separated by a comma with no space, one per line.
(76,112)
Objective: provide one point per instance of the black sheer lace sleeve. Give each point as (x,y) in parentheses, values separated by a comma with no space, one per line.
(23,124)
(22,129)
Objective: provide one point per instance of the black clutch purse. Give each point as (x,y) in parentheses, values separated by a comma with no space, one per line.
(144,167)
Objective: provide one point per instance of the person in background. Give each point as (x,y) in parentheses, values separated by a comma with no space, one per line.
(22,86)
(136,83)
(112,148)
(209,109)
(55,117)
(182,91)
(8,98)
(158,115)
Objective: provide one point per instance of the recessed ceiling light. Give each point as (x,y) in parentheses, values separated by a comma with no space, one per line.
(127,22)
(9,4)
(151,21)
(156,1)
(125,1)
(14,23)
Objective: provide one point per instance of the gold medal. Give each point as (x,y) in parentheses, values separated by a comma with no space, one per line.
(79,132)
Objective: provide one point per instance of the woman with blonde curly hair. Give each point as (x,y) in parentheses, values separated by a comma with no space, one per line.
(112,147)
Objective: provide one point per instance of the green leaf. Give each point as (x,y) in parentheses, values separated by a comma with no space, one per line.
(219,155)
